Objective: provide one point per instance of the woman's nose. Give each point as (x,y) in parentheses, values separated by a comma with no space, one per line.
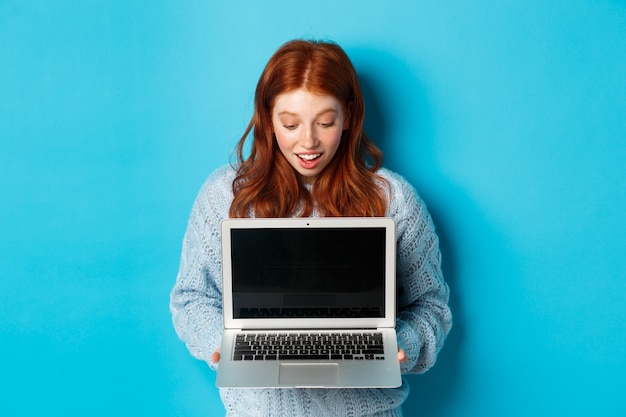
(309,138)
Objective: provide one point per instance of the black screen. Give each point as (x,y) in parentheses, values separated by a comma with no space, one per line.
(308,272)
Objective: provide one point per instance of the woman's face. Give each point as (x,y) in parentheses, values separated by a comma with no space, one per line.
(308,130)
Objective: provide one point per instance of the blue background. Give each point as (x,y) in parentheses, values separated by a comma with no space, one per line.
(508,117)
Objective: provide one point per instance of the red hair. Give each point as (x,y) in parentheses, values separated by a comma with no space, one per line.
(266,184)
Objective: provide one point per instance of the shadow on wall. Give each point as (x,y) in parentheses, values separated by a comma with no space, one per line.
(395,99)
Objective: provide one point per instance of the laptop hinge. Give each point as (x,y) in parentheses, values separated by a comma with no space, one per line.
(325,329)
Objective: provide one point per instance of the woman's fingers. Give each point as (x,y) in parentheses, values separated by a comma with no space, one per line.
(402,356)
(215,357)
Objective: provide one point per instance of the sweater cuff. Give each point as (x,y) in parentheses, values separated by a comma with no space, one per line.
(409,341)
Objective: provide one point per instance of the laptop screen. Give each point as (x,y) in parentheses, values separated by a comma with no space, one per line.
(308,272)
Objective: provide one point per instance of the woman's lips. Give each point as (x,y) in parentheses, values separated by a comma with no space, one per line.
(308,160)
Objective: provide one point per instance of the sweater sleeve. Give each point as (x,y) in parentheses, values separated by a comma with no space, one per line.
(424,318)
(196,299)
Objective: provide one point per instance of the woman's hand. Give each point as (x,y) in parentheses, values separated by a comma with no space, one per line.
(215,357)
(401,356)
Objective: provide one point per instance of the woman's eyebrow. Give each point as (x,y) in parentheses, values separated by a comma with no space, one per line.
(329,110)
(288,113)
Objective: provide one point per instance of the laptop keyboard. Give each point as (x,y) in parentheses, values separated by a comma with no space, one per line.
(311,346)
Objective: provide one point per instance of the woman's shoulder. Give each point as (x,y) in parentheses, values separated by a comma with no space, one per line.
(393,177)
(220,179)
(399,185)
(402,197)
(216,193)
(227,172)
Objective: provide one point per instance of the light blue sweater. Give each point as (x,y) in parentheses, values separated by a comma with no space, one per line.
(423,318)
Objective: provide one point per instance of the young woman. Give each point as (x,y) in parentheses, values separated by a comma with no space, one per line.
(309,157)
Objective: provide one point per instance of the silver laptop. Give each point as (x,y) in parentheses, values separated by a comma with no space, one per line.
(309,303)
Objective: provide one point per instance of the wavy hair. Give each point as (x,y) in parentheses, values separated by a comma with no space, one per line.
(266,184)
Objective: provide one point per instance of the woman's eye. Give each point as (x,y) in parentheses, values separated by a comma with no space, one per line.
(289,127)
(330,124)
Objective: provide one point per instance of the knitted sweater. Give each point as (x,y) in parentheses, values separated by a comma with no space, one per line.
(423,318)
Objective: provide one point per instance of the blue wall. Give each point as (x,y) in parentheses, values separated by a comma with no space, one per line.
(509,118)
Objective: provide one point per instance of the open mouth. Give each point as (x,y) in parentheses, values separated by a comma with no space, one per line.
(309,157)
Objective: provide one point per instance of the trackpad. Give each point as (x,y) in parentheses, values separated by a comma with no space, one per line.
(308,374)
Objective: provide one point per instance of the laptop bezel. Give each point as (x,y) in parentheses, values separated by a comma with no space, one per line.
(387,321)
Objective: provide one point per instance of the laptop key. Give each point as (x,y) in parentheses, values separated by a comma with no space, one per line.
(303,357)
(244,352)
(373,351)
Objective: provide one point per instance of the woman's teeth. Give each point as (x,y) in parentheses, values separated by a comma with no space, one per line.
(309,157)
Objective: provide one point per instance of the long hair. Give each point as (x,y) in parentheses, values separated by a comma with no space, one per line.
(266,184)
